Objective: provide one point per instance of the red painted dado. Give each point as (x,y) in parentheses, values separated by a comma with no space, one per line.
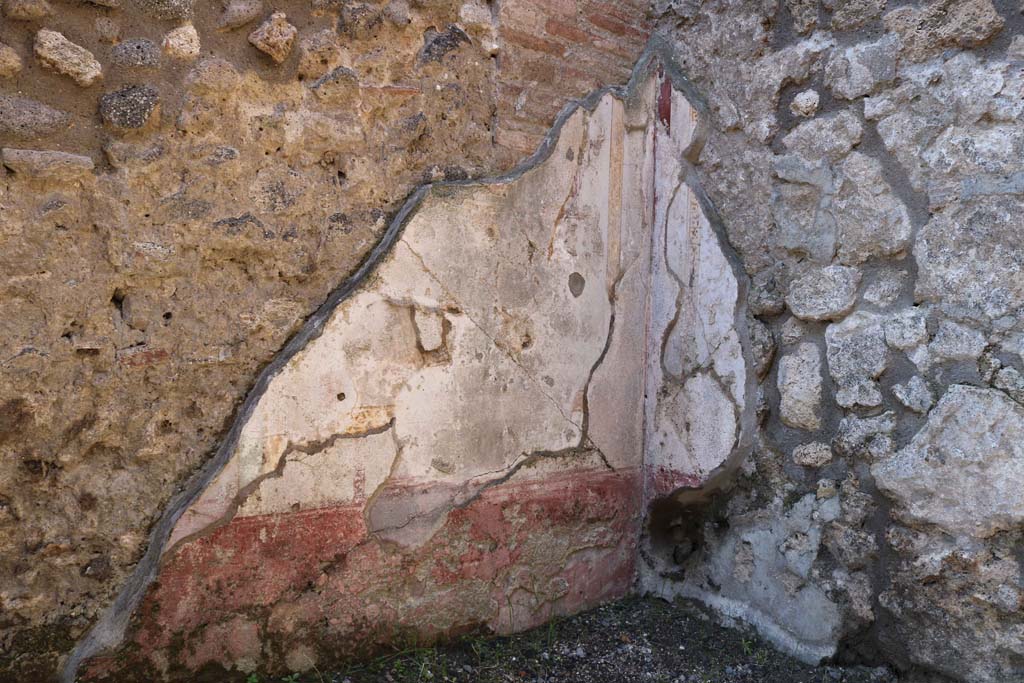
(263,591)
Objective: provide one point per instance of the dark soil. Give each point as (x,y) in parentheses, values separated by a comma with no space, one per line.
(637,640)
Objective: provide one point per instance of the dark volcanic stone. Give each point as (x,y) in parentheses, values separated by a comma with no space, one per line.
(436,45)
(138,53)
(166,9)
(130,107)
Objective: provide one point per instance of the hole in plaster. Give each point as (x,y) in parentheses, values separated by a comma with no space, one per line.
(341,396)
(117,298)
(87,501)
(576,284)
(676,532)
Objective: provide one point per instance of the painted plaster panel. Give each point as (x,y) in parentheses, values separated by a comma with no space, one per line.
(696,368)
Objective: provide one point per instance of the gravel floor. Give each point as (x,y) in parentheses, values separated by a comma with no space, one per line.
(636,640)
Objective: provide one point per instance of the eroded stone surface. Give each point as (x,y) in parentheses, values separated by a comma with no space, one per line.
(63,56)
(1011,381)
(886,288)
(839,202)
(906,328)
(964,471)
(137,53)
(44,165)
(954,341)
(763,346)
(130,108)
(321,53)
(799,208)
(969,258)
(940,585)
(762,573)
(865,436)
(238,13)
(824,293)
(166,9)
(857,355)
(851,14)
(925,217)
(800,387)
(870,219)
(914,395)
(805,103)
(828,137)
(275,37)
(23,118)
(27,10)
(943,23)
(863,68)
(10,61)
(182,42)
(812,454)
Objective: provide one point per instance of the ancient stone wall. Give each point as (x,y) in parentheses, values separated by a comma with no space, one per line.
(327,325)
(427,464)
(864,158)
(458,440)
(183,184)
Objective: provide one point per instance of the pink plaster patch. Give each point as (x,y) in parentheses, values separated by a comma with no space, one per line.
(664,480)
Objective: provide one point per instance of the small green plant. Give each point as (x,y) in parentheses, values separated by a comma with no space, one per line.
(398,668)
(253,678)
(290,678)
(748,647)
(424,673)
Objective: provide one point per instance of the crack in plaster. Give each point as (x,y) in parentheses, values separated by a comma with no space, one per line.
(574,190)
(378,491)
(528,459)
(721,478)
(681,301)
(494,341)
(584,447)
(670,328)
(313,448)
